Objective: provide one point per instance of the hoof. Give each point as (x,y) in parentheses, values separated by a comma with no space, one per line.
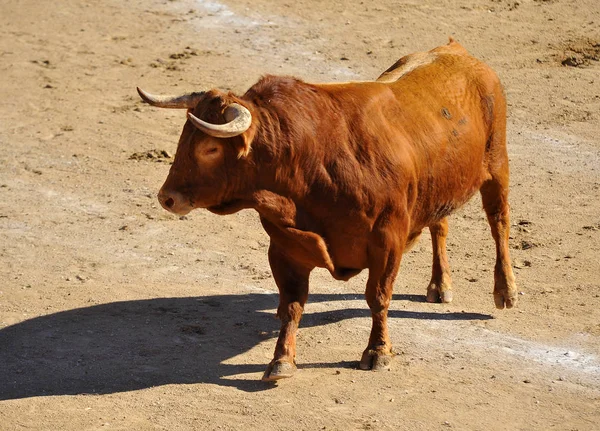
(446,297)
(435,294)
(376,360)
(279,369)
(506,299)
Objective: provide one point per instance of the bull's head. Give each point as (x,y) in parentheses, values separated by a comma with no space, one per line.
(209,166)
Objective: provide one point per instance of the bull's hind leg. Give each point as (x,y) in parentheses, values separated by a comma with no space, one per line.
(292,281)
(440,286)
(494,194)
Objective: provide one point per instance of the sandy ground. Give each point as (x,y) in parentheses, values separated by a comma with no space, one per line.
(117,315)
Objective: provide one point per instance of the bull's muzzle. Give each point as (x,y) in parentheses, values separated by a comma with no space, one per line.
(174,202)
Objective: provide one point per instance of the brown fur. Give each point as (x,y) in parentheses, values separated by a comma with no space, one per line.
(346,176)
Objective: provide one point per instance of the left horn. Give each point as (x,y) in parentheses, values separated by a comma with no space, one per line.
(187,101)
(240,120)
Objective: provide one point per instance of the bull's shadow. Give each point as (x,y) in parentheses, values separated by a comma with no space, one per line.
(123,346)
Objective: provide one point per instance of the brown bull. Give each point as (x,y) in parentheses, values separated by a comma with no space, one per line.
(346,176)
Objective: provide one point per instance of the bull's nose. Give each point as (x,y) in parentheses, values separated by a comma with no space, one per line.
(174,202)
(168,203)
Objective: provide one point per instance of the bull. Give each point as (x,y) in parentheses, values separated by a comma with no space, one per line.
(345,176)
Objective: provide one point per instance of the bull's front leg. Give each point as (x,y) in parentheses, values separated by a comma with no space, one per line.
(292,280)
(385,253)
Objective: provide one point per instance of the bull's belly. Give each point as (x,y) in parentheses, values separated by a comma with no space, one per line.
(442,204)
(346,238)
(348,248)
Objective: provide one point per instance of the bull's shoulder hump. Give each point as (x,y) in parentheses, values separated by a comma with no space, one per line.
(411,62)
(407,64)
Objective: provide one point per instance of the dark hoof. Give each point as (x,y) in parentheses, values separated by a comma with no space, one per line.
(279,369)
(376,360)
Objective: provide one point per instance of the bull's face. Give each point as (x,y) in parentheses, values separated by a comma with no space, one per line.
(211,153)
(198,176)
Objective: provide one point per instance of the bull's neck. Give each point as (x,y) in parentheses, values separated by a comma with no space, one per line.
(283,151)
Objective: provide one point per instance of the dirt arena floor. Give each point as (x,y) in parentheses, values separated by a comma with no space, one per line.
(116,315)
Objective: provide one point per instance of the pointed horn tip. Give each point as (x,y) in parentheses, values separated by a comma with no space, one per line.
(143,94)
(186,101)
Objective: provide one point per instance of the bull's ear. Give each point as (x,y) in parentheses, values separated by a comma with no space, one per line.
(243,141)
(246,140)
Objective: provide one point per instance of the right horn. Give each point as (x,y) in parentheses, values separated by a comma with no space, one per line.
(240,120)
(187,101)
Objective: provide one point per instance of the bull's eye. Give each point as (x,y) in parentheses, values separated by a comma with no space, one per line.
(209,152)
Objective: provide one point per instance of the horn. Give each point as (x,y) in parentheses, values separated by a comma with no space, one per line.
(187,101)
(240,120)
